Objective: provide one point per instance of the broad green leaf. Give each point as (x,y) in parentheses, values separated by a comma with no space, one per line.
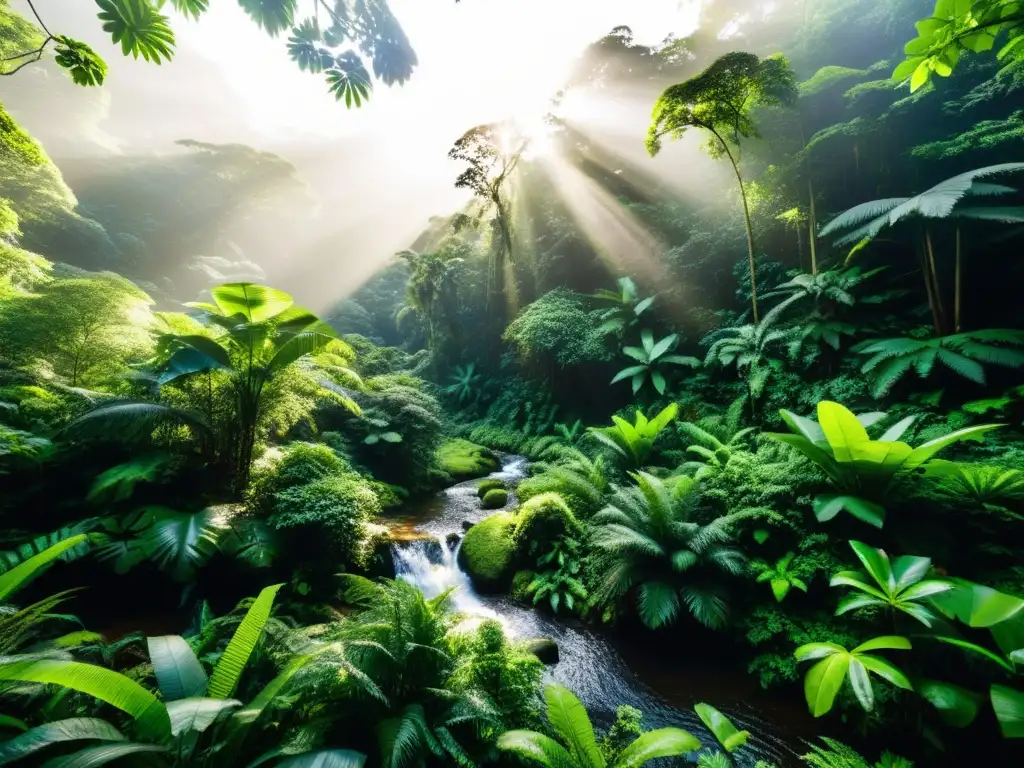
(178,672)
(956,706)
(662,742)
(1009,708)
(663,346)
(885,670)
(240,647)
(197,714)
(325,758)
(811,651)
(886,642)
(659,382)
(925,451)
(780,588)
(876,562)
(14,579)
(257,303)
(104,684)
(823,681)
(71,729)
(569,720)
(625,373)
(841,428)
(727,734)
(861,684)
(538,748)
(828,505)
(978,649)
(806,428)
(138,27)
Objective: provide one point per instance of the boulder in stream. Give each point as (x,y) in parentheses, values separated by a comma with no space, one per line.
(544,648)
(452,539)
(467,524)
(488,553)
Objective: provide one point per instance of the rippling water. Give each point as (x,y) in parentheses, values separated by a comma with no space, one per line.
(588,663)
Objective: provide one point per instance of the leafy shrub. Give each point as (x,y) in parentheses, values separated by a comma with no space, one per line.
(330,514)
(520,589)
(499,438)
(389,495)
(488,551)
(296,464)
(461,459)
(558,327)
(496,498)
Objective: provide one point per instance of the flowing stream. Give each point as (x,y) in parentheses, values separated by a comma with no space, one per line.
(588,663)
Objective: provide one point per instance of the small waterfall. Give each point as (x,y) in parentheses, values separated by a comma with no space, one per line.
(432,567)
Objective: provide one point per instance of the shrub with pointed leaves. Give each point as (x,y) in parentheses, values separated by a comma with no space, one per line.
(577,746)
(861,469)
(896,585)
(625,306)
(634,442)
(836,665)
(651,360)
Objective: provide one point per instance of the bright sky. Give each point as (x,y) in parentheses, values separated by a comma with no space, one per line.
(480,60)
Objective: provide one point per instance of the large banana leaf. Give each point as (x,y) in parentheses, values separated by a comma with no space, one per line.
(15,578)
(570,721)
(104,684)
(181,543)
(236,655)
(663,742)
(325,758)
(197,714)
(59,731)
(101,755)
(298,346)
(257,302)
(1009,708)
(178,671)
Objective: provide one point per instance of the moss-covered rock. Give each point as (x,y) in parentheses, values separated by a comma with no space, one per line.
(496,498)
(463,460)
(544,648)
(488,484)
(544,518)
(488,552)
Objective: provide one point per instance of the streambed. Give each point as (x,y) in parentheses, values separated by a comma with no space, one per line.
(663,684)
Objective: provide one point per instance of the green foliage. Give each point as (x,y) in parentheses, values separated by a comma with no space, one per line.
(558,327)
(713,444)
(834,754)
(138,27)
(727,734)
(461,459)
(892,359)
(660,556)
(955,27)
(297,464)
(570,722)
(651,359)
(488,550)
(496,498)
(985,134)
(981,484)
(627,727)
(780,578)
(897,585)
(332,512)
(118,483)
(836,665)
(634,442)
(559,582)
(465,383)
(861,469)
(625,306)
(17,575)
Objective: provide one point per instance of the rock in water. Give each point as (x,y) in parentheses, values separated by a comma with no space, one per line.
(544,648)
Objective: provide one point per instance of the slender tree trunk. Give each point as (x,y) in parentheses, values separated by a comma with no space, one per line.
(956,297)
(928,290)
(812,226)
(750,230)
(935,281)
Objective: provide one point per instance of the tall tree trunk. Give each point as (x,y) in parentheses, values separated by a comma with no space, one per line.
(936,287)
(750,229)
(928,290)
(958,277)
(812,226)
